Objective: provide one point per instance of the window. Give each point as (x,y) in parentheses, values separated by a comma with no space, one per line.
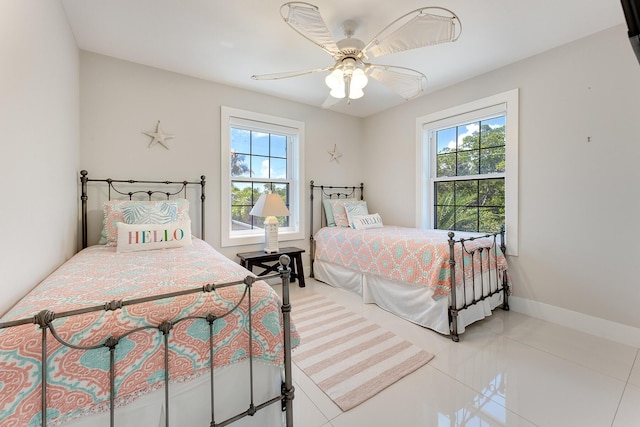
(260,153)
(468,167)
(468,186)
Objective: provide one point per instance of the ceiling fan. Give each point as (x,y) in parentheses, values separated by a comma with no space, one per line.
(349,74)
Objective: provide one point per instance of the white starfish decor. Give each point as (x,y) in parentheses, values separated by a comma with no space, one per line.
(334,154)
(158,137)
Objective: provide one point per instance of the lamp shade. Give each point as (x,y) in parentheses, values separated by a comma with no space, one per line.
(269,205)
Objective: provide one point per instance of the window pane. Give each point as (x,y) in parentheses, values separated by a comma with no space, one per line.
(446,165)
(492,160)
(241,204)
(467,193)
(493,132)
(468,163)
(466,219)
(260,143)
(260,188)
(445,217)
(491,219)
(444,193)
(239,165)
(241,193)
(468,136)
(446,140)
(492,192)
(278,146)
(278,168)
(240,140)
(260,167)
(241,220)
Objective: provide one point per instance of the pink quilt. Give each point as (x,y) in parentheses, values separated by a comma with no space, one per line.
(403,254)
(79,380)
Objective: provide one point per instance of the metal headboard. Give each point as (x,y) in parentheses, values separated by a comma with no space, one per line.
(329,192)
(174,188)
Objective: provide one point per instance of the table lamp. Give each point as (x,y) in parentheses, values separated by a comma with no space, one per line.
(270,206)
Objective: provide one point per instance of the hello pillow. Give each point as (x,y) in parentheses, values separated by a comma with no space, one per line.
(144,237)
(364,222)
(140,212)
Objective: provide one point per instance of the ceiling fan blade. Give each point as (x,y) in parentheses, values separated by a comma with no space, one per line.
(416,29)
(405,82)
(286,75)
(306,20)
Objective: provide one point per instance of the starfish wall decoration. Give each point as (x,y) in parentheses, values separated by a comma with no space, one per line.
(334,154)
(158,137)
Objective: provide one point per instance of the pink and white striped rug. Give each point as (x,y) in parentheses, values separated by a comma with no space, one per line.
(349,357)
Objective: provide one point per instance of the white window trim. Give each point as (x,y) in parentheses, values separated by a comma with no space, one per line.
(508,101)
(296,229)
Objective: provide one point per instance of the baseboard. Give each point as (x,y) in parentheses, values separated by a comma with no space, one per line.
(618,332)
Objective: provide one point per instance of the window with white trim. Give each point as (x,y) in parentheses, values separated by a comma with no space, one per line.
(259,154)
(468,167)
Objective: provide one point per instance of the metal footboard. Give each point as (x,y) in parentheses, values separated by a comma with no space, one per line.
(482,284)
(45,320)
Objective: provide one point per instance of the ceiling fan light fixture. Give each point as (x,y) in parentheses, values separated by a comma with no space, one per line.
(359,79)
(347,75)
(338,92)
(335,81)
(355,93)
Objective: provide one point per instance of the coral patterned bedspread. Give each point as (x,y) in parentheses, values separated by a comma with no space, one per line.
(403,254)
(79,380)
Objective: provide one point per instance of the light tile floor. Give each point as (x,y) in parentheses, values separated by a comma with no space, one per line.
(507,370)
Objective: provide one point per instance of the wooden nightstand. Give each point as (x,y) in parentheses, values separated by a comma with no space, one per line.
(258,259)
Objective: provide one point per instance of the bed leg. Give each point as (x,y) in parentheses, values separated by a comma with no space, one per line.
(287,386)
(453,325)
(505,298)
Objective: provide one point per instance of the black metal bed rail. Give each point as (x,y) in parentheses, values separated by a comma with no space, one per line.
(493,286)
(46,317)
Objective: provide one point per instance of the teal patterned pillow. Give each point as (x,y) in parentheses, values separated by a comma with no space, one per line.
(340,212)
(157,213)
(355,209)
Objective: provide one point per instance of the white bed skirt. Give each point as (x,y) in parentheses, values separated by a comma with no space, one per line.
(408,301)
(189,401)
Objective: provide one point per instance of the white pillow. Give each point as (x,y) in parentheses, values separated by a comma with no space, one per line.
(144,237)
(363,222)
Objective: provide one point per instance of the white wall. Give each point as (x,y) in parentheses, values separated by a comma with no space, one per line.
(579,200)
(39,121)
(121,99)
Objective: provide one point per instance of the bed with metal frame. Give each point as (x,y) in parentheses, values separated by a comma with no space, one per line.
(476,294)
(43,378)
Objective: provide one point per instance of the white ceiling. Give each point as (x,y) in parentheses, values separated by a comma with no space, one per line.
(227,41)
